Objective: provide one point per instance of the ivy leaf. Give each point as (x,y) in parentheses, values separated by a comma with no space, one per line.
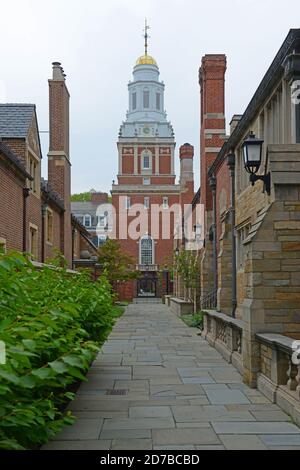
(29,344)
(58,366)
(27,382)
(10,377)
(73,361)
(42,373)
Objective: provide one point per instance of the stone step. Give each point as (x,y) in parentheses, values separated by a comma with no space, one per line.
(147,300)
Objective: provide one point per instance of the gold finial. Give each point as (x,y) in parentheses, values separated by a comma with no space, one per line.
(146,36)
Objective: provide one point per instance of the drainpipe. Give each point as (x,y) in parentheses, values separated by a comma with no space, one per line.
(231,166)
(73,245)
(26,192)
(213,186)
(44,212)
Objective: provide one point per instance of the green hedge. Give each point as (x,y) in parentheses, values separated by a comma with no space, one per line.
(52,324)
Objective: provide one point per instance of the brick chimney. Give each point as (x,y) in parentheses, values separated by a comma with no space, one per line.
(99,198)
(213,132)
(186,155)
(59,167)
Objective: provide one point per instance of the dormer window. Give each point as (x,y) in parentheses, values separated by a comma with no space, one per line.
(87,221)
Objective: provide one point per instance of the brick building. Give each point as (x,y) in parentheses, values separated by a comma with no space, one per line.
(146,176)
(92,214)
(35,214)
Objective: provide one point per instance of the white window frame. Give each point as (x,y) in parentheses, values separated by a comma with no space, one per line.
(99,218)
(127,202)
(147,237)
(147,202)
(146,154)
(146,181)
(165,202)
(85,217)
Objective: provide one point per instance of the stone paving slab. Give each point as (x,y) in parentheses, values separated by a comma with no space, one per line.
(158,385)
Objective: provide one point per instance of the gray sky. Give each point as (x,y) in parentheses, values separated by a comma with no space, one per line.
(98,41)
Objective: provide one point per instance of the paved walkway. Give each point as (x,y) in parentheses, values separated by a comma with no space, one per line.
(158,385)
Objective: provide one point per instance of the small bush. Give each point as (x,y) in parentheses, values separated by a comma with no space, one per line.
(194,320)
(52,324)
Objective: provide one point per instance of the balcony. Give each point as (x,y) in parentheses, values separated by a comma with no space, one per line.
(147,267)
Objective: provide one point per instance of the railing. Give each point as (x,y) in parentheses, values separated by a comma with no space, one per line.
(279,376)
(209,300)
(147,267)
(226,335)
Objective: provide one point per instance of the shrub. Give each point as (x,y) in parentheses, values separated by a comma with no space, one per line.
(52,324)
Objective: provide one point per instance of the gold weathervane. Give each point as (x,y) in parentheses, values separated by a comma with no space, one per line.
(146,59)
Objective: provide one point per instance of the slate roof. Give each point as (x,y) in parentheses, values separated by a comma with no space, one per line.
(51,195)
(14,160)
(15,119)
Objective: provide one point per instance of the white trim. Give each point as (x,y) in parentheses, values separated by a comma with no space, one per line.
(84,219)
(140,249)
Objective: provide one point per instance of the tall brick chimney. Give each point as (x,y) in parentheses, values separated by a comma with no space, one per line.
(213,132)
(59,167)
(186,155)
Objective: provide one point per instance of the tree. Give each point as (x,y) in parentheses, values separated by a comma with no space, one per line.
(187,268)
(118,264)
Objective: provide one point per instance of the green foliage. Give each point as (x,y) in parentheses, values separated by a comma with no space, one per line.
(52,324)
(186,264)
(118,265)
(194,321)
(81,197)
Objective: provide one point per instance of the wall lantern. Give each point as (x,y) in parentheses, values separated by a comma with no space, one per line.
(252,152)
(176,252)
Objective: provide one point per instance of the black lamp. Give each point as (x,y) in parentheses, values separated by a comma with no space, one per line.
(177,252)
(252,153)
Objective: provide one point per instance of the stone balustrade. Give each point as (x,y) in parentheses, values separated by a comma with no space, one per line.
(279,376)
(226,335)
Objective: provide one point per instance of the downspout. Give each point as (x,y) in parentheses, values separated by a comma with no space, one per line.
(26,192)
(44,212)
(73,245)
(213,186)
(231,166)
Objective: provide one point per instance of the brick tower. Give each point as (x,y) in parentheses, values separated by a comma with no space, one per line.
(146,174)
(212,137)
(59,166)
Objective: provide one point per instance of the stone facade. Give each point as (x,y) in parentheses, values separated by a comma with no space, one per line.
(266,226)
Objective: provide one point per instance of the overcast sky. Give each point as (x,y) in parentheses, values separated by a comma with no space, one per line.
(98,41)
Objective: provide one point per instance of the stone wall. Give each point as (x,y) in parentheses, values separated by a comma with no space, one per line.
(272,266)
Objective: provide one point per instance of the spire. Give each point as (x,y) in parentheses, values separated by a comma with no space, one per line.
(146,37)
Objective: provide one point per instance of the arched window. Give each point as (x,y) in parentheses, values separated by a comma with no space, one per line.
(134,100)
(146,98)
(146,250)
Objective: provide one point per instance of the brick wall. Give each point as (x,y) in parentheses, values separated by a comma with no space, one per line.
(11,213)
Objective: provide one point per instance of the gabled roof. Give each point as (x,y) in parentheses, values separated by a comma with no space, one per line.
(14,160)
(15,120)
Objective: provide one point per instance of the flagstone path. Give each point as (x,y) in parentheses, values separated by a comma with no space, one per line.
(158,385)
